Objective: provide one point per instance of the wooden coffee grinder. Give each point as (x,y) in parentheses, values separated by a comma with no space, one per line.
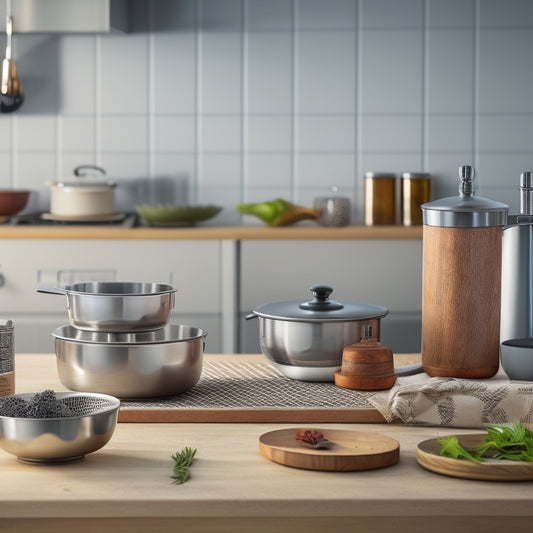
(461,282)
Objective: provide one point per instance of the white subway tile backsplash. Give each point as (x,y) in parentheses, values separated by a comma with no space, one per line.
(235,99)
(326,134)
(36,133)
(450,13)
(269,170)
(510,13)
(268,16)
(269,133)
(220,90)
(505,133)
(505,71)
(77,134)
(5,172)
(123,134)
(122,87)
(174,64)
(77,77)
(450,133)
(391,133)
(450,84)
(391,14)
(220,134)
(326,72)
(330,15)
(391,71)
(326,171)
(219,170)
(174,133)
(269,73)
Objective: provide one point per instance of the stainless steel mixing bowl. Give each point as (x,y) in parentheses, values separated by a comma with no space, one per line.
(113,306)
(164,362)
(50,440)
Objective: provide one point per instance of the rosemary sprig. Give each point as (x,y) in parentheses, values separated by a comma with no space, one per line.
(182,462)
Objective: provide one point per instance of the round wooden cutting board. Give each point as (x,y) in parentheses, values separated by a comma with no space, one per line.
(428,456)
(349,451)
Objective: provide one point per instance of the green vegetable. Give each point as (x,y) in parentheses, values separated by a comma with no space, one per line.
(503,441)
(278,212)
(182,462)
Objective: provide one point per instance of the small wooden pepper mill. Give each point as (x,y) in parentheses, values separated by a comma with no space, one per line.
(366,365)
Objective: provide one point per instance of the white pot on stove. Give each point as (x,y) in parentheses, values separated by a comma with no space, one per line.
(87,195)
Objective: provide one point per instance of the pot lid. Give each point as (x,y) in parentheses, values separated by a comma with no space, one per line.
(465,210)
(86,176)
(319,309)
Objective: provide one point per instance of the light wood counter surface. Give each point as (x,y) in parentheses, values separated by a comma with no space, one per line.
(209,232)
(126,487)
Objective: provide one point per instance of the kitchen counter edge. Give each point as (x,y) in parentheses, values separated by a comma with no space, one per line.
(212,232)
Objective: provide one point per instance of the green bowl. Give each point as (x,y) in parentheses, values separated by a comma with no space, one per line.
(177,215)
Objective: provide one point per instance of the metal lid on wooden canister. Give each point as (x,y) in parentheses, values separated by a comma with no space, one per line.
(465,210)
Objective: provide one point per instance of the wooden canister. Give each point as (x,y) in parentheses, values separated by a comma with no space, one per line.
(461,282)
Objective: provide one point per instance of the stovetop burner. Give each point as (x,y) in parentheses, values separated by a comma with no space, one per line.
(128,220)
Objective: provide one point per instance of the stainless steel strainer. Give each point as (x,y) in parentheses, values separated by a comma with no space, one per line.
(50,440)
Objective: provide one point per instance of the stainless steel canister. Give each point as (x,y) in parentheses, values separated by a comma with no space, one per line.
(380,198)
(517,267)
(415,191)
(7,358)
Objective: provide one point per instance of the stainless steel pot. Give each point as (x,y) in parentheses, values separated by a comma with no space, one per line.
(84,196)
(305,339)
(111,306)
(165,362)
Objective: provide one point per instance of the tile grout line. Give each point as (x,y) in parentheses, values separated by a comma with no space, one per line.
(294,101)
(475,89)
(198,103)
(425,87)
(359,106)
(245,178)
(150,88)
(97,100)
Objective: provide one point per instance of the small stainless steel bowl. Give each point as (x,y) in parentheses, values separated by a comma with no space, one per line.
(114,307)
(59,440)
(164,362)
(516,356)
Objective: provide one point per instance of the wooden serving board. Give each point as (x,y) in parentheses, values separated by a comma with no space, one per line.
(350,450)
(428,456)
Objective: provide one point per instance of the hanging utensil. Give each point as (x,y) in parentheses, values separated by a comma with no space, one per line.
(11,96)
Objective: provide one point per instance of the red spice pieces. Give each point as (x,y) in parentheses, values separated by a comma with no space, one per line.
(312,438)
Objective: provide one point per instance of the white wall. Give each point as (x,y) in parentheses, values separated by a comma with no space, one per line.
(244,100)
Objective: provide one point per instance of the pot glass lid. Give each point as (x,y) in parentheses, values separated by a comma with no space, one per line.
(320,308)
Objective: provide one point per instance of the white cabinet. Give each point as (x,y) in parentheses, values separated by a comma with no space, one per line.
(383,272)
(193,267)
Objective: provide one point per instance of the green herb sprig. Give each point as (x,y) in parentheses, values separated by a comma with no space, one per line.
(503,441)
(182,462)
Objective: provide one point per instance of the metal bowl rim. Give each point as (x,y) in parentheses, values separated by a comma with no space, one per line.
(79,336)
(66,394)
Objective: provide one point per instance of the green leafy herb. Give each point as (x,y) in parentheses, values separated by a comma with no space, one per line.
(182,462)
(503,441)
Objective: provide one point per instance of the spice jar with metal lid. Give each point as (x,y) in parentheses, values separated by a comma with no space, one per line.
(380,198)
(415,191)
(461,278)
(7,358)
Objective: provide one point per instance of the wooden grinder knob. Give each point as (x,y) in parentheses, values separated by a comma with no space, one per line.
(366,365)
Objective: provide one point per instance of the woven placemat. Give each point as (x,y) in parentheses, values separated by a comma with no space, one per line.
(253,392)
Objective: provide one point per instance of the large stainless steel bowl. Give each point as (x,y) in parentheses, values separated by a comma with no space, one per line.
(115,307)
(164,362)
(50,440)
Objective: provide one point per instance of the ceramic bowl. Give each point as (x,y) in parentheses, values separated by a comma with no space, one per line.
(177,215)
(517,358)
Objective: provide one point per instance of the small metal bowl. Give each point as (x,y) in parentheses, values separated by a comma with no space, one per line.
(164,362)
(60,440)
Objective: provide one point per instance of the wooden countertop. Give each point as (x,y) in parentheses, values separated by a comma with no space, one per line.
(210,232)
(126,486)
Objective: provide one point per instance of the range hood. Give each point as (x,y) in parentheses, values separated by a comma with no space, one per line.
(67,16)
